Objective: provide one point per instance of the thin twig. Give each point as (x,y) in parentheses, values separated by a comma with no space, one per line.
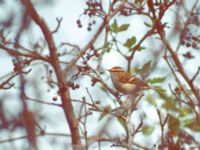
(179,66)
(195,75)
(42,102)
(59,20)
(162,125)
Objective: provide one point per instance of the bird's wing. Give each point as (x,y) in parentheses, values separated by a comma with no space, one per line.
(126,78)
(137,81)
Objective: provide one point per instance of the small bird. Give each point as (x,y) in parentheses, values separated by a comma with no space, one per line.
(124,82)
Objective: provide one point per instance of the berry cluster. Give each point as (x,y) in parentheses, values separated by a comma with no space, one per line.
(93,9)
(190,40)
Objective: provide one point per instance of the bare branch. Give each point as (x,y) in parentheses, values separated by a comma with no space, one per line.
(195,75)
(59,20)
(63,88)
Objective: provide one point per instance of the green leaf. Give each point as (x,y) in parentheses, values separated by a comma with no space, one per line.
(136,70)
(161,92)
(139,2)
(185,111)
(106,110)
(146,67)
(148,130)
(147,24)
(130,42)
(123,27)
(156,80)
(170,104)
(151,100)
(122,122)
(102,115)
(141,48)
(192,124)
(173,125)
(114,26)
(108,47)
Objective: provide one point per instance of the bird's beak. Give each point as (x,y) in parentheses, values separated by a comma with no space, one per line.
(108,70)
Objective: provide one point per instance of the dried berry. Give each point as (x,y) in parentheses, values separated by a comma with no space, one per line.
(188,45)
(182,42)
(78,22)
(194,45)
(50,71)
(94,81)
(80,26)
(194,38)
(55,98)
(89,28)
(188,55)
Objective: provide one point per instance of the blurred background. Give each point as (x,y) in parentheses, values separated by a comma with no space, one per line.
(75,30)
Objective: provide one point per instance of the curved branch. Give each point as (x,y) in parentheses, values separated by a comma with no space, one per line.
(179,66)
(63,88)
